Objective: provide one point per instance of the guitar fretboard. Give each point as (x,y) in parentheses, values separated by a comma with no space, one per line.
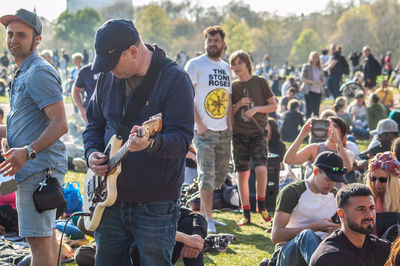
(117,157)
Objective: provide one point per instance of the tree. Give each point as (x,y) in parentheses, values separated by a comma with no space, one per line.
(154,25)
(3,44)
(77,29)
(307,42)
(355,29)
(117,10)
(237,35)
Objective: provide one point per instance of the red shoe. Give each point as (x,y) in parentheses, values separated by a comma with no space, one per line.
(243,221)
(265,215)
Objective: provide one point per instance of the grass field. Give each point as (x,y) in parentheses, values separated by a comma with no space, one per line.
(253,242)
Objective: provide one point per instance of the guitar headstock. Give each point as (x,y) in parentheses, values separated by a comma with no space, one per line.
(151,126)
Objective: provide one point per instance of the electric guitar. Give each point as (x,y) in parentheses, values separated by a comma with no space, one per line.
(101,191)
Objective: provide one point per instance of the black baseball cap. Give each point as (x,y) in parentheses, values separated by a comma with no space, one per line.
(24,16)
(332,165)
(112,38)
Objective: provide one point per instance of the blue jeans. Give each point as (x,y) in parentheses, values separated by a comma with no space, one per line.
(152,226)
(299,250)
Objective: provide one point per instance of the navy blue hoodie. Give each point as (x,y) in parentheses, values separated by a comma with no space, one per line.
(157,174)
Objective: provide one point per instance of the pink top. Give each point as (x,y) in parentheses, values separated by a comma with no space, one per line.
(378,205)
(8,199)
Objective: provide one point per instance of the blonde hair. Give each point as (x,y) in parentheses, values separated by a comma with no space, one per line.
(310,59)
(391,200)
(77,55)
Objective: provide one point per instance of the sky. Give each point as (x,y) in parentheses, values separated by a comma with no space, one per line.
(51,9)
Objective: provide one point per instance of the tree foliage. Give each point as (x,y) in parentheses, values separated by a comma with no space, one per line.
(308,41)
(237,35)
(179,25)
(154,25)
(117,10)
(77,29)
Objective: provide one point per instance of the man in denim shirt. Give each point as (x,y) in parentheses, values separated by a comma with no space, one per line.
(34,125)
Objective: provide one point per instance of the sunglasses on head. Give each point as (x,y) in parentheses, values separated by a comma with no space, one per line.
(381,179)
(337,169)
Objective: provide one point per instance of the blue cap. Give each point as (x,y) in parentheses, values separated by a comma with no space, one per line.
(112,38)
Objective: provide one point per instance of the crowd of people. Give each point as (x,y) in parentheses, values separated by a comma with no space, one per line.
(339,212)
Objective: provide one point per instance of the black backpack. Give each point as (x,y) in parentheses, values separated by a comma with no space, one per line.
(343,65)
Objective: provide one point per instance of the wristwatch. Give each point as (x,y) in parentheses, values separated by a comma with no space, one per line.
(31,153)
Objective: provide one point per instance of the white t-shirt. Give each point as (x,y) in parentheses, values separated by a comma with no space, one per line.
(305,206)
(213,82)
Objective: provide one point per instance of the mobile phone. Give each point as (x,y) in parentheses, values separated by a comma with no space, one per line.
(335,218)
(319,128)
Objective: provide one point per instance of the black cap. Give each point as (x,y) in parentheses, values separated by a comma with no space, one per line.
(332,165)
(24,16)
(112,38)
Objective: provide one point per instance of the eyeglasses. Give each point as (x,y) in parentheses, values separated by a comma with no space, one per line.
(381,179)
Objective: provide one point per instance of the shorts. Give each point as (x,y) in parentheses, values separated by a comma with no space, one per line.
(213,154)
(32,223)
(252,146)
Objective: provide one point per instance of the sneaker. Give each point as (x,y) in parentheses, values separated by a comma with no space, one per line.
(219,223)
(211,227)
(265,215)
(243,221)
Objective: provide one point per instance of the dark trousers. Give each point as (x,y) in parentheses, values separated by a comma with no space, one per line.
(333,82)
(313,102)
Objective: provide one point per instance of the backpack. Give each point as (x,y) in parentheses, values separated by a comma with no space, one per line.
(343,66)
(73,196)
(377,68)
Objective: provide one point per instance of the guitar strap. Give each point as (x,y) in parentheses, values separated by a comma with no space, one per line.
(139,99)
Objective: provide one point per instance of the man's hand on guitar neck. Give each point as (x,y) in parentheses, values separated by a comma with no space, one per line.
(136,143)
(97,163)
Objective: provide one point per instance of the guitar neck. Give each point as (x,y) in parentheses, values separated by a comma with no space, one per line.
(117,157)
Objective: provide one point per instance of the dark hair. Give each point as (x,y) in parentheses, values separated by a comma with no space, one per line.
(292,90)
(340,123)
(275,134)
(1,112)
(396,148)
(212,30)
(293,104)
(375,98)
(351,190)
(244,57)
(324,52)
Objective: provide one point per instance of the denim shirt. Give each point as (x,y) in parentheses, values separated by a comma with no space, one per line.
(35,86)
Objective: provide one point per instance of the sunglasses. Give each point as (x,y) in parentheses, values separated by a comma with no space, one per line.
(337,169)
(381,179)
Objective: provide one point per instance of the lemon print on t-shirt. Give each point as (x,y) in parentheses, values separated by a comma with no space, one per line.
(216,103)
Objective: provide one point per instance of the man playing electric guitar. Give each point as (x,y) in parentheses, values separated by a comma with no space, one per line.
(149,184)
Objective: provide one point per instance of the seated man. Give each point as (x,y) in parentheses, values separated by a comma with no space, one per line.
(386,131)
(353,244)
(304,212)
(192,229)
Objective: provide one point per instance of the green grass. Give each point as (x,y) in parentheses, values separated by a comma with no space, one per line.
(252,243)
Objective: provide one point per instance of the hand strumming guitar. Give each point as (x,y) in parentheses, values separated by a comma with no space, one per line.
(97,161)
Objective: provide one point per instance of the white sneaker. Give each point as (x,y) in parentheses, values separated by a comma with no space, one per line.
(211,226)
(219,223)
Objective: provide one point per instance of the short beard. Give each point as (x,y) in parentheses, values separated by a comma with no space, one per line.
(359,229)
(217,54)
